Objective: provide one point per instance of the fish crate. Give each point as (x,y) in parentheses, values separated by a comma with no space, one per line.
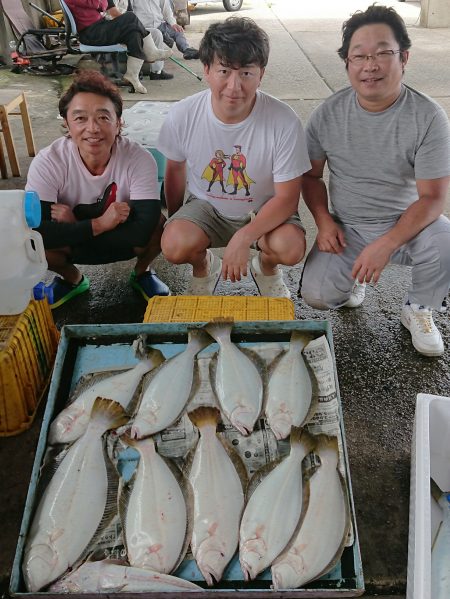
(28,344)
(86,349)
(194,308)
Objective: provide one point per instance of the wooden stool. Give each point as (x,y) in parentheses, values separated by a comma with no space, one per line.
(9,100)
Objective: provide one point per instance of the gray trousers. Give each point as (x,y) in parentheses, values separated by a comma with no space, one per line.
(327,281)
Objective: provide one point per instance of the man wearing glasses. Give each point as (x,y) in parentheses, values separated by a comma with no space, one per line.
(387,151)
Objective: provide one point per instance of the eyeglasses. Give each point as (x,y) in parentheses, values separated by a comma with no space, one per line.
(381,57)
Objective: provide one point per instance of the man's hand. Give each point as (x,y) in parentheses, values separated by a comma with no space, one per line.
(177,27)
(62,213)
(330,237)
(235,259)
(115,215)
(371,261)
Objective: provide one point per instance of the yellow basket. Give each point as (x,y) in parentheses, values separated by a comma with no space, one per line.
(190,308)
(28,344)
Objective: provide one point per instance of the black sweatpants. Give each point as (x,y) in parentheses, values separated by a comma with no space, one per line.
(126,29)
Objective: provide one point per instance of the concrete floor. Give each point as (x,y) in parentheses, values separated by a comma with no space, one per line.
(379,372)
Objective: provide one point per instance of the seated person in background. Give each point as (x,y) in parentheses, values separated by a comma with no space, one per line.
(159,14)
(387,149)
(242,153)
(94,29)
(99,193)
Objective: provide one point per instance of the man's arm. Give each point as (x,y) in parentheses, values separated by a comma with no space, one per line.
(273,214)
(174,185)
(330,237)
(430,205)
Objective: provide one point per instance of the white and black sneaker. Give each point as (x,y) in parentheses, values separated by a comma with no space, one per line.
(425,336)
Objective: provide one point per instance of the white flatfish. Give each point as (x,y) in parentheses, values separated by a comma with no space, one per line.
(237,383)
(218,499)
(289,390)
(155,522)
(71,422)
(109,577)
(166,395)
(440,552)
(73,504)
(273,510)
(320,540)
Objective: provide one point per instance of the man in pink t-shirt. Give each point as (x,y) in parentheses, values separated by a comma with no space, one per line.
(99,193)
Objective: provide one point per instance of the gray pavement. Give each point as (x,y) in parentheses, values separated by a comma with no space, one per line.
(379,372)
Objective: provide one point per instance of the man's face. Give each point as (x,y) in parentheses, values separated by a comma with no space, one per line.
(93,125)
(377,82)
(233,90)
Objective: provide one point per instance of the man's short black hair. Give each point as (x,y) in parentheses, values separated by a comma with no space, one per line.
(374,14)
(236,42)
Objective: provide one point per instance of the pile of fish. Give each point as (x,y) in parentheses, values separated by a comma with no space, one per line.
(292,519)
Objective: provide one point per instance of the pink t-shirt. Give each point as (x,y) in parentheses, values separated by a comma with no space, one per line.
(59,175)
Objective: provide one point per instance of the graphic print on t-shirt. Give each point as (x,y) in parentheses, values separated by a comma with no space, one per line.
(237,176)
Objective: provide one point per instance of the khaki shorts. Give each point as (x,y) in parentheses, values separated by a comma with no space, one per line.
(218,227)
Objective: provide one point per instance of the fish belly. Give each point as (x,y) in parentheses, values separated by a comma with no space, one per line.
(218,504)
(68,515)
(270,517)
(156,517)
(239,387)
(165,397)
(320,536)
(289,395)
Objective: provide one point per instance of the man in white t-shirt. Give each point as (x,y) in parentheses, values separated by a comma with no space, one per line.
(250,143)
(99,193)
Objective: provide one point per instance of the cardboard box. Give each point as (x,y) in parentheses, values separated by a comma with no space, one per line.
(87,348)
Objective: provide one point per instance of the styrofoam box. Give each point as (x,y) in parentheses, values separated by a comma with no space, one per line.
(87,348)
(143,121)
(430,457)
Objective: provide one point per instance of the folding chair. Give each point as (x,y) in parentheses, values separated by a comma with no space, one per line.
(103,54)
(32,44)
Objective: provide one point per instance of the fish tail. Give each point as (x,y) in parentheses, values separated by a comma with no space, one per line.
(137,443)
(219,327)
(301,435)
(300,339)
(326,442)
(198,338)
(111,410)
(204,415)
(154,357)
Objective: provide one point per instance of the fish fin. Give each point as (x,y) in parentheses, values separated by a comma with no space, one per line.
(238,463)
(259,476)
(301,435)
(314,394)
(204,415)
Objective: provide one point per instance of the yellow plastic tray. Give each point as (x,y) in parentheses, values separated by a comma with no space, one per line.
(28,344)
(190,308)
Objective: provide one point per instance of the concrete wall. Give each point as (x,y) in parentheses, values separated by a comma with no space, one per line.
(435,13)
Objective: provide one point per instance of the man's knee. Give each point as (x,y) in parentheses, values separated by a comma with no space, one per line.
(312,298)
(177,246)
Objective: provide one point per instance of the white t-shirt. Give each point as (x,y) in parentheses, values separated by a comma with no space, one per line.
(59,175)
(268,146)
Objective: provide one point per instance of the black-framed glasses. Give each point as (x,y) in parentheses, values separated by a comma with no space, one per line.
(382,56)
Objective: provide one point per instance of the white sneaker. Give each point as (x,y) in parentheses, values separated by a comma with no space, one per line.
(357,295)
(425,336)
(268,285)
(206,285)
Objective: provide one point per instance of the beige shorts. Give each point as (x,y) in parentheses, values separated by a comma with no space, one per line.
(218,227)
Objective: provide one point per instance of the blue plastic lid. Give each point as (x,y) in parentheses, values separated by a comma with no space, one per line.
(32,209)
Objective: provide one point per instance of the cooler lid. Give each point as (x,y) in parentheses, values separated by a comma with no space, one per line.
(32,209)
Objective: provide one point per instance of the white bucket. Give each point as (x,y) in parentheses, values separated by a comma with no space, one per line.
(22,254)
